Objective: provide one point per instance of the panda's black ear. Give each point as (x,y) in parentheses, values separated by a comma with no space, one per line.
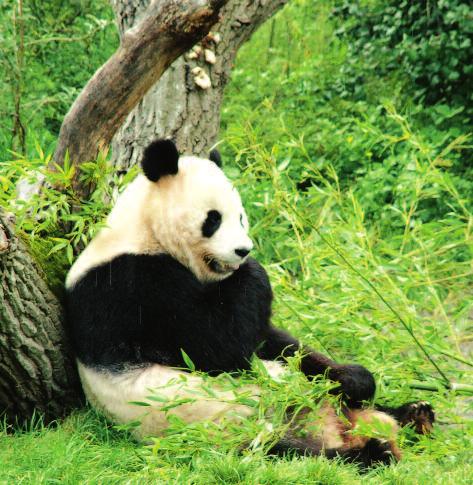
(215,157)
(160,158)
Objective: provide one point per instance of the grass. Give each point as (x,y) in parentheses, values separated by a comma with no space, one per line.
(83,449)
(366,232)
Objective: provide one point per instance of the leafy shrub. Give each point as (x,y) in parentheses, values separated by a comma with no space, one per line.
(55,221)
(429,42)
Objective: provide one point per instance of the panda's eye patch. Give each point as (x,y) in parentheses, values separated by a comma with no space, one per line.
(241,220)
(211,223)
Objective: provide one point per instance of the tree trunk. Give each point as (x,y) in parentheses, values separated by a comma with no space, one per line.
(176,107)
(36,368)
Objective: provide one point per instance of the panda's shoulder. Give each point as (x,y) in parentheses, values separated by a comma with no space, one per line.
(255,268)
(128,269)
(253,274)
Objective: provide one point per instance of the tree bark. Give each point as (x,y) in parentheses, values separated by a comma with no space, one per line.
(176,107)
(168,29)
(37,371)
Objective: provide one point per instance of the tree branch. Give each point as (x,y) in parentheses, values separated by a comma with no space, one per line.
(169,28)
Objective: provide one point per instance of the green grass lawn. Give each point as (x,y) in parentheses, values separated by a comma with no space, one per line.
(363,219)
(83,449)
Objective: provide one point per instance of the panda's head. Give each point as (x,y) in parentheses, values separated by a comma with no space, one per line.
(193,212)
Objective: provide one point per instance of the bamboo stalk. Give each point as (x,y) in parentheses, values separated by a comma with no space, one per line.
(466,389)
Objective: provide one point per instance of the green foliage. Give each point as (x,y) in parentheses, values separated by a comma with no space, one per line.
(55,221)
(260,431)
(429,42)
(84,448)
(375,139)
(47,54)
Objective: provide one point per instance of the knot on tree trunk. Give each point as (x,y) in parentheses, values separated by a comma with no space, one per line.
(4,241)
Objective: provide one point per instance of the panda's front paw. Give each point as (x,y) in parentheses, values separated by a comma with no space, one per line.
(356,383)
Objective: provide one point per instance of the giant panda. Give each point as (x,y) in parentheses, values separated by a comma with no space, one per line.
(170,275)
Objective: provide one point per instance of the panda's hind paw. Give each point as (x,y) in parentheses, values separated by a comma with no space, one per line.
(374,452)
(419,415)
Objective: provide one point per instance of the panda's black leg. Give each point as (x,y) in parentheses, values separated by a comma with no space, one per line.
(373,452)
(419,415)
(363,451)
(291,444)
(357,384)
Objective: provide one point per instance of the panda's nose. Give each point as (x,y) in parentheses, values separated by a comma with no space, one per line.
(242,252)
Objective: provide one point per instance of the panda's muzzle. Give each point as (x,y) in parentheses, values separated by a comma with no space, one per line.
(220,267)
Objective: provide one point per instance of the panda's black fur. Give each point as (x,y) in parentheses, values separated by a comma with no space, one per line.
(137,310)
(154,310)
(166,152)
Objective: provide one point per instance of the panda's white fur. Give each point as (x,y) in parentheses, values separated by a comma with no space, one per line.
(113,393)
(165,217)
